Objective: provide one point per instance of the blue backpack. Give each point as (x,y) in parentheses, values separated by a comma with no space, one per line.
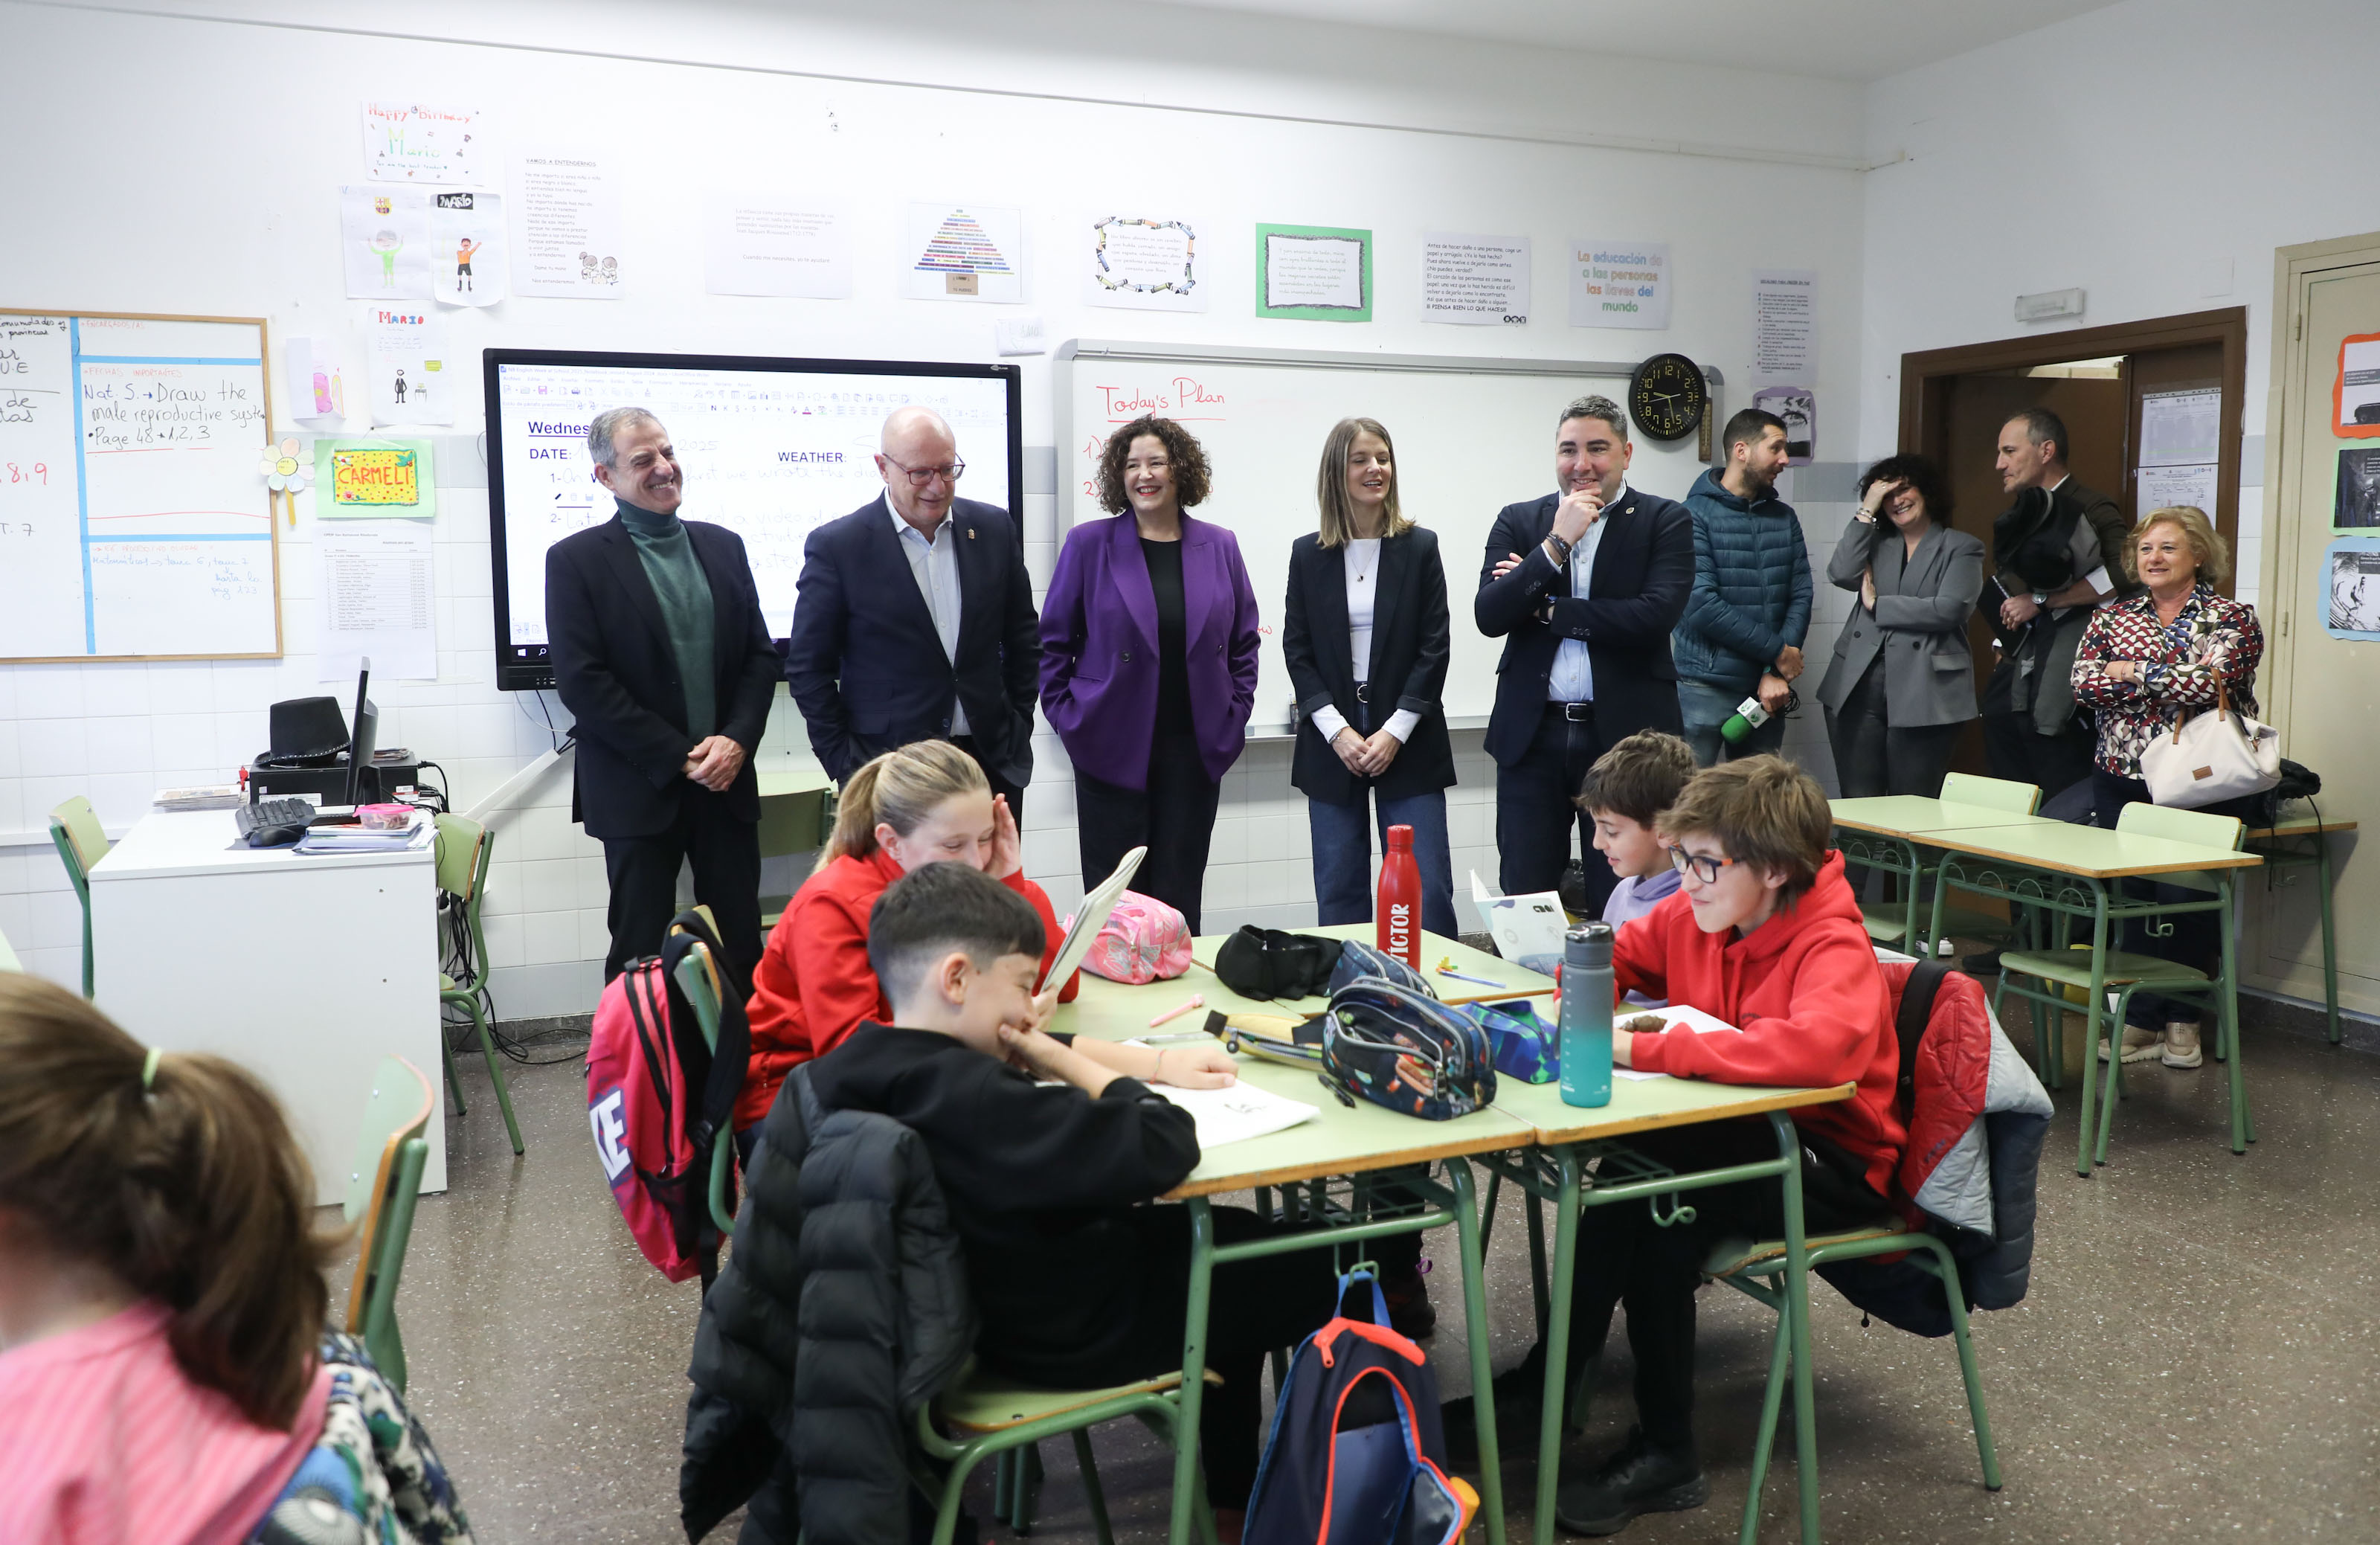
(1358,1455)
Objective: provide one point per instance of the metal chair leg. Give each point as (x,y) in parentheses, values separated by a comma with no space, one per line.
(1092,1493)
(1771,1401)
(496,1075)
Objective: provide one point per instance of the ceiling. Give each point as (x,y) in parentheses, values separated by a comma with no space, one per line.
(1847,39)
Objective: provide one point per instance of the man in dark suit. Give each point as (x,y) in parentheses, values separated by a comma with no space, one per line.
(659,653)
(916,620)
(1583,586)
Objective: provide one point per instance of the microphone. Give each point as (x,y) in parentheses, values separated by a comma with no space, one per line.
(1749,716)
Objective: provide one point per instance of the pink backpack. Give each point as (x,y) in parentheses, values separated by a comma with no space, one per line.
(1143,941)
(658,1099)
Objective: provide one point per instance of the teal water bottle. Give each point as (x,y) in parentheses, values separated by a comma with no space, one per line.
(1587,1015)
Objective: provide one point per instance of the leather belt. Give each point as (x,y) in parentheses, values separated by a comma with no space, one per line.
(1577,713)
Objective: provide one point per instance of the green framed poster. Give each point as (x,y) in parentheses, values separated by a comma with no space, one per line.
(1314,273)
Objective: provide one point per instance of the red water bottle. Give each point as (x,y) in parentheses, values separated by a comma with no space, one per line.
(1398,912)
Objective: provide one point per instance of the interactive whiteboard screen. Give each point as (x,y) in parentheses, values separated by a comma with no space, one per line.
(770,448)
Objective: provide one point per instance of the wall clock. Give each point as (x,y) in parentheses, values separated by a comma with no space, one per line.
(1667,397)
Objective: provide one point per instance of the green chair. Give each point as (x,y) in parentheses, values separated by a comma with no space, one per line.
(382,1189)
(792,824)
(1758,1271)
(1890,926)
(74,827)
(2125,974)
(464,848)
(994,1418)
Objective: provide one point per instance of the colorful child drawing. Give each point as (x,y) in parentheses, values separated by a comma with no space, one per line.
(463,262)
(388,244)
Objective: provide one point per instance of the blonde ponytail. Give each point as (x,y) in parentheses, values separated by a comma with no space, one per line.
(899,789)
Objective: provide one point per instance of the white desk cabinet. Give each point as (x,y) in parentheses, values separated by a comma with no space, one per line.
(305,970)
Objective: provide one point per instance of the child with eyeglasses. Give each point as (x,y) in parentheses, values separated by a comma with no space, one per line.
(1765,934)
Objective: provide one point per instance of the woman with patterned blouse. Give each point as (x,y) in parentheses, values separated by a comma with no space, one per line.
(2147,662)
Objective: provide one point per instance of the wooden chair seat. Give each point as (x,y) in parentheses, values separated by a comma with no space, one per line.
(980,1401)
(1736,1258)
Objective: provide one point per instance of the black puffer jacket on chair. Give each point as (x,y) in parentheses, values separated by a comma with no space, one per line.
(806,1391)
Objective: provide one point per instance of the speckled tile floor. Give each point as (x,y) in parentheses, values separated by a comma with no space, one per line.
(2200,1356)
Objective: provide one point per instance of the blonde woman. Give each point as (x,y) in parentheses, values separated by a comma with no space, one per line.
(1366,637)
(2147,662)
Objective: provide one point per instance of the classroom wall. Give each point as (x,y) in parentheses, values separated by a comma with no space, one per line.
(2154,153)
(193,164)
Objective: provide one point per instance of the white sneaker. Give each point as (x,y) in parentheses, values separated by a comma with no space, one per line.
(2139,1044)
(2182,1049)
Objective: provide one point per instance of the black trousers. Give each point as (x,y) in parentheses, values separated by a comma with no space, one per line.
(2014,749)
(1253,1306)
(2197,937)
(1536,813)
(1174,818)
(1873,756)
(643,873)
(1625,1258)
(1014,793)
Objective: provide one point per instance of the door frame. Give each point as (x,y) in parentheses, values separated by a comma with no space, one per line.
(1925,384)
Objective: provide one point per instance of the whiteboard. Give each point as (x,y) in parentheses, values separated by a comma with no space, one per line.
(134,521)
(1472,436)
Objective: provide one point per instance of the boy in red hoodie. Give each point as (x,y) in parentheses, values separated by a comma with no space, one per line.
(1765,934)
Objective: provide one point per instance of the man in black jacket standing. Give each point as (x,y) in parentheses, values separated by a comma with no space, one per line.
(1583,586)
(916,620)
(660,653)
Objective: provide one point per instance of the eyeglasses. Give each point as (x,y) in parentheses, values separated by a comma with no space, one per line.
(1700,866)
(920,476)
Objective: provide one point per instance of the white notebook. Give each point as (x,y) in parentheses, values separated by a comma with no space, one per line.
(1238,1112)
(1676,1016)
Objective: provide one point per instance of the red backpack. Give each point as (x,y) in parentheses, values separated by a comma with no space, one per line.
(658,1100)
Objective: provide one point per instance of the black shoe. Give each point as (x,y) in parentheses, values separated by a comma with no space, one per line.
(1520,1396)
(1411,1314)
(1983,966)
(1640,1478)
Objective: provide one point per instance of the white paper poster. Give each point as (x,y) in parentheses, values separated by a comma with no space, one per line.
(410,382)
(2156,488)
(566,225)
(2180,429)
(468,262)
(964,253)
(385,242)
(1618,284)
(374,596)
(757,243)
(1798,405)
(1480,281)
(1784,327)
(1144,264)
(405,143)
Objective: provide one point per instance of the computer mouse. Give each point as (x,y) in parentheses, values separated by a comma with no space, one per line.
(275,836)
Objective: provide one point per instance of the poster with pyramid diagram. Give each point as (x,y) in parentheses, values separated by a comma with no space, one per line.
(954,251)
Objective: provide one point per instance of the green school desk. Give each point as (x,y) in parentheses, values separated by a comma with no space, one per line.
(1341,1141)
(1889,832)
(1569,1138)
(1504,980)
(2062,869)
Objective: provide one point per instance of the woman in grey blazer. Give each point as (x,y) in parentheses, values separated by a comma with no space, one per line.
(1902,681)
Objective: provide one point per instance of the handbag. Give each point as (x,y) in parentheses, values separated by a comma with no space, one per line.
(2211,757)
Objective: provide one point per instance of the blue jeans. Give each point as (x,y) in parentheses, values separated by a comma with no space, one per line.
(1705,708)
(1343,858)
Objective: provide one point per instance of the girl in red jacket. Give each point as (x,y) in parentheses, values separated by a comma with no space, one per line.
(1765,934)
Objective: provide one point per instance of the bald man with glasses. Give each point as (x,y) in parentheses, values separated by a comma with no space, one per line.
(915,619)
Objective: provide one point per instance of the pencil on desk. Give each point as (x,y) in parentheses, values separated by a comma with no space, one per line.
(1197,999)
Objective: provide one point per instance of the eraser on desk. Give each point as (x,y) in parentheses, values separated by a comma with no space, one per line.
(384,817)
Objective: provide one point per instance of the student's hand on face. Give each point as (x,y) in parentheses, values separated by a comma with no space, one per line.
(1196,1067)
(1007,848)
(1033,1049)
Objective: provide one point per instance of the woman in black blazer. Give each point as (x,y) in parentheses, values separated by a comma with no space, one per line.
(1365,638)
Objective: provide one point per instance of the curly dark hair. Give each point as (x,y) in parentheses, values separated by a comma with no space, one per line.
(1191,479)
(1921,474)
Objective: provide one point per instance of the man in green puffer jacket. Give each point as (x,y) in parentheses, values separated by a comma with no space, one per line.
(1750,607)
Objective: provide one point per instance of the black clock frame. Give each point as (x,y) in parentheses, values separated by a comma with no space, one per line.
(1638,411)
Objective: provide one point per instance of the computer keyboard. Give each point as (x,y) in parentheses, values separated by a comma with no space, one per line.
(272,822)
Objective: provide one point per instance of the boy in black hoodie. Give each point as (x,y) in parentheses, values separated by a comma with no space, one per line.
(1079,1285)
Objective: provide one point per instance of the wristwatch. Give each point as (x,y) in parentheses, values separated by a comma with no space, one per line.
(2041,598)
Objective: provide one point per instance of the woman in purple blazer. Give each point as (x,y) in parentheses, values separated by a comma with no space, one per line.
(1148,664)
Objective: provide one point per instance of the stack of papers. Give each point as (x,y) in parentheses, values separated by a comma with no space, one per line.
(200,797)
(1238,1113)
(356,839)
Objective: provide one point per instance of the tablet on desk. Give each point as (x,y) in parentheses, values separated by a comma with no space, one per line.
(1089,918)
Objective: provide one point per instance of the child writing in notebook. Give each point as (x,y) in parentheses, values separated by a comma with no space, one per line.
(162,1297)
(1625,792)
(1765,934)
(1080,1285)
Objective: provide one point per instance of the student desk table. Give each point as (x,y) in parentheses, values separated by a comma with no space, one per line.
(1569,1139)
(1341,1141)
(1889,832)
(1504,980)
(304,970)
(2061,868)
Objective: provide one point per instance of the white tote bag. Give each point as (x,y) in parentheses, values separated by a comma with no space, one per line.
(2219,756)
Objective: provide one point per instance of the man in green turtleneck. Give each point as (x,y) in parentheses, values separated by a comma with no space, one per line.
(660,654)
